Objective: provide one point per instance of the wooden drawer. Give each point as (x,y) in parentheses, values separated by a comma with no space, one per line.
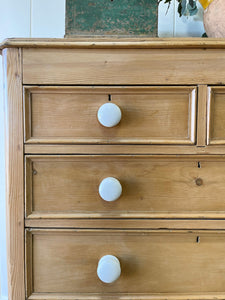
(152,186)
(167,228)
(164,263)
(215,114)
(120,64)
(150,115)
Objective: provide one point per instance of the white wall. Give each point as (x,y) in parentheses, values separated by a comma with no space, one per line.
(22,18)
(171,25)
(46,18)
(14,21)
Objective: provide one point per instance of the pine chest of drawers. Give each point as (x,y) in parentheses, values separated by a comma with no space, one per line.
(115,168)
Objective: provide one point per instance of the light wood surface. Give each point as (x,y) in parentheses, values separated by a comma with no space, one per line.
(123,66)
(114,42)
(202,118)
(215,113)
(28,264)
(209,296)
(151,262)
(152,186)
(150,115)
(168,227)
(14,172)
(109,223)
(118,149)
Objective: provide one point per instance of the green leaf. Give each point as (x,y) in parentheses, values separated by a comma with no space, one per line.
(192,9)
(192,3)
(179,9)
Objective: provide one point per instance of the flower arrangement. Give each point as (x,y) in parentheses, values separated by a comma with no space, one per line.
(185,7)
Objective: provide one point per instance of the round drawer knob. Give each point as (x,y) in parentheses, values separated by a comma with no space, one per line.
(110,189)
(109,115)
(109,269)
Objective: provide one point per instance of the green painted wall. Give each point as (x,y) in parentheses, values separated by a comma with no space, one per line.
(111,17)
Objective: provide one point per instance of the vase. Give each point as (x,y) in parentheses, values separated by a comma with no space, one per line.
(214,17)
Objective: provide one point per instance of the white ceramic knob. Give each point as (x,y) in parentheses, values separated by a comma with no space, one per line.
(109,115)
(109,269)
(110,189)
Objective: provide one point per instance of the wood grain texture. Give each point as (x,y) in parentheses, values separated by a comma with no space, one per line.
(151,261)
(120,150)
(202,118)
(126,223)
(155,240)
(170,187)
(113,43)
(29,173)
(123,66)
(150,115)
(28,263)
(215,116)
(14,173)
(208,296)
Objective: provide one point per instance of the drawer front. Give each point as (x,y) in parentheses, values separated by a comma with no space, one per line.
(162,263)
(152,186)
(124,66)
(216,113)
(150,115)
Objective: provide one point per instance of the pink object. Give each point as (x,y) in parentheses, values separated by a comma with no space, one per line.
(214,19)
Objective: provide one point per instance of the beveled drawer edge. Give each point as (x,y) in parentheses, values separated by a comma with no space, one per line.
(117,224)
(190,139)
(213,296)
(131,215)
(31,216)
(120,142)
(114,89)
(209,115)
(119,150)
(29,233)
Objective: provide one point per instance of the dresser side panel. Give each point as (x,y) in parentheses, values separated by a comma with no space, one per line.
(14,172)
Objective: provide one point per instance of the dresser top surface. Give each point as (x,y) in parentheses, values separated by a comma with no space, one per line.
(91,42)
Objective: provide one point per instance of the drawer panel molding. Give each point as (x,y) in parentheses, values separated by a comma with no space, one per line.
(150,115)
(65,262)
(152,186)
(215,116)
(115,148)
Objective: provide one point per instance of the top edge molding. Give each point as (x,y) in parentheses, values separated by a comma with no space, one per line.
(106,42)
